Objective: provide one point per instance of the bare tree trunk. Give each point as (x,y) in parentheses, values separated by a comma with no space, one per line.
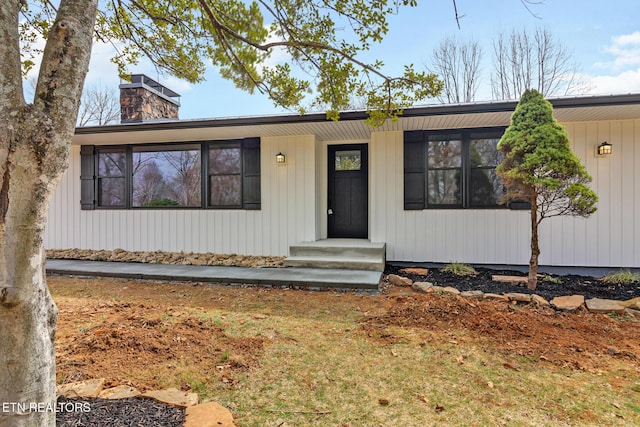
(34,150)
(27,312)
(532,280)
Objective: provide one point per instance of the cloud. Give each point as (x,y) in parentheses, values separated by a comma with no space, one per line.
(104,73)
(621,74)
(622,83)
(625,50)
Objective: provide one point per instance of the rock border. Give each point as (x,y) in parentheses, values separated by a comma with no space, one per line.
(562,303)
(207,414)
(162,257)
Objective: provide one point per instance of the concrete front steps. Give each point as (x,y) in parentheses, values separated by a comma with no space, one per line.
(347,254)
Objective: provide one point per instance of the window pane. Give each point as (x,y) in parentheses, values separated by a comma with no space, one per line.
(224,160)
(111,164)
(484,152)
(226,190)
(485,187)
(348,160)
(166,178)
(444,154)
(443,187)
(111,192)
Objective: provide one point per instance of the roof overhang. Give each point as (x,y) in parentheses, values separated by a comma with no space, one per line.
(352,124)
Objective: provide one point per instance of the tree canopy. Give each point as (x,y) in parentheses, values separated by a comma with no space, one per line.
(540,168)
(323,41)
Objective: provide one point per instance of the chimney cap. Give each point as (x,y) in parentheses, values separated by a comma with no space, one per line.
(142,80)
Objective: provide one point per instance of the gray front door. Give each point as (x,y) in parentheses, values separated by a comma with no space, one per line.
(348,191)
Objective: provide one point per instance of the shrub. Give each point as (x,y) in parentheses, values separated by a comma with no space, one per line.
(624,276)
(459,269)
(162,202)
(551,279)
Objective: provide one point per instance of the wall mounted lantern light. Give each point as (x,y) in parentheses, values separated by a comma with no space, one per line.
(281,159)
(604,149)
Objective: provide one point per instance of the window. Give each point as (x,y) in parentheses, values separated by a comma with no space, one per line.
(166,176)
(349,160)
(225,175)
(444,170)
(112,177)
(452,169)
(209,174)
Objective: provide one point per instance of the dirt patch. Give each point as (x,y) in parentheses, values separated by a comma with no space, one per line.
(579,340)
(121,341)
(141,332)
(296,357)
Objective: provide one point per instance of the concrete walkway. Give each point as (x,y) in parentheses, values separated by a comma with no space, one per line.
(304,277)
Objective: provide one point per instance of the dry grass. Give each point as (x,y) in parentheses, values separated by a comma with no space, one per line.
(319,365)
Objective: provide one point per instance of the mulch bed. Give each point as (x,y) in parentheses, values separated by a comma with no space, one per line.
(130,412)
(590,287)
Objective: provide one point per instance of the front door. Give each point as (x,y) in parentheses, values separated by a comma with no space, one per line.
(348,191)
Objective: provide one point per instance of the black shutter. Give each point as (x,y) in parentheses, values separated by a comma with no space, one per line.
(414,165)
(251,174)
(87,177)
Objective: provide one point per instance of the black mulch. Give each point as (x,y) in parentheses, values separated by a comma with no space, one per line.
(131,412)
(590,287)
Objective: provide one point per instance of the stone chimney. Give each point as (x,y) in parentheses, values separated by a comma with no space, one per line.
(145,100)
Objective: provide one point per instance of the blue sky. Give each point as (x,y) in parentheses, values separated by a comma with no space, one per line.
(604,37)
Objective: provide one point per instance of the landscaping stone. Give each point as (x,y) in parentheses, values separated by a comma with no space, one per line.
(539,300)
(173,396)
(518,297)
(396,280)
(509,279)
(451,290)
(495,297)
(568,303)
(597,305)
(441,289)
(90,388)
(161,257)
(632,312)
(208,414)
(422,286)
(472,294)
(119,392)
(634,302)
(415,270)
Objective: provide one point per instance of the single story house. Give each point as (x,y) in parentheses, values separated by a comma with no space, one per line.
(424,185)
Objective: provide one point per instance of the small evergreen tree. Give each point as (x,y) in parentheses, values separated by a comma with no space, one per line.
(540,168)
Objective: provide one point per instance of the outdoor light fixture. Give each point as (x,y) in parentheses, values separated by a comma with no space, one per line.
(280,159)
(604,149)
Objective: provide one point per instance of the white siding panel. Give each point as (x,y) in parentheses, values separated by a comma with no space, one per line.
(435,235)
(287,216)
(608,238)
(294,209)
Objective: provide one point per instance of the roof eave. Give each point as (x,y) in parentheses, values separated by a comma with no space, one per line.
(430,110)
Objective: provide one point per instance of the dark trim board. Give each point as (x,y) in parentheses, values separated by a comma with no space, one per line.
(430,110)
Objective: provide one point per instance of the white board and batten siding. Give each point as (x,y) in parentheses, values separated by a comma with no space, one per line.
(287,215)
(293,209)
(610,237)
